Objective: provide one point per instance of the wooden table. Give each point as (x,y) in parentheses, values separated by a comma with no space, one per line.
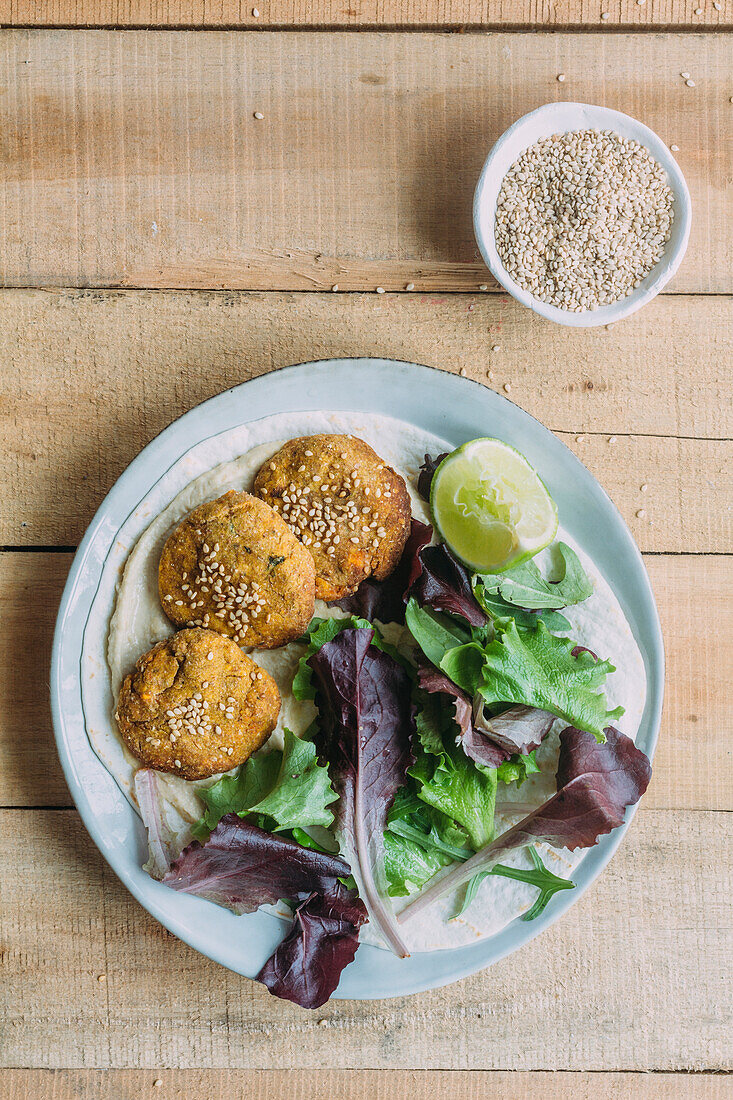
(159,243)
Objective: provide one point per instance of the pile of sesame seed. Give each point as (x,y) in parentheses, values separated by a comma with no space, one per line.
(235,602)
(317,514)
(582,218)
(190,718)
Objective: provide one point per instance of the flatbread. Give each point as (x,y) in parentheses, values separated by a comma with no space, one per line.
(231,461)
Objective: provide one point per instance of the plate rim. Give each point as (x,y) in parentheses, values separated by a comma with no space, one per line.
(463,959)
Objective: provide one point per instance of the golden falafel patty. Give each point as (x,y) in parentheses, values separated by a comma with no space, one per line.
(234,566)
(344,503)
(196,705)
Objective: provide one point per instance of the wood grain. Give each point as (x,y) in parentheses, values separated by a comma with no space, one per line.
(615,985)
(91,377)
(225,1084)
(133,158)
(531,14)
(696,608)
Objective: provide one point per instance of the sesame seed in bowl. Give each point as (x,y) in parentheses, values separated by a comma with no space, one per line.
(581,213)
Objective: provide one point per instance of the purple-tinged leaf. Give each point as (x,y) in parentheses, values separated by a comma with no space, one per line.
(162,840)
(480,749)
(578,649)
(384,600)
(243,867)
(307,964)
(489,741)
(597,783)
(427,472)
(445,585)
(366,721)
(519,729)
(475,745)
(621,771)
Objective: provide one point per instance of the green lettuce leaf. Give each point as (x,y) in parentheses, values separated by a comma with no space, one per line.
(517,768)
(446,779)
(539,670)
(407,865)
(288,788)
(418,842)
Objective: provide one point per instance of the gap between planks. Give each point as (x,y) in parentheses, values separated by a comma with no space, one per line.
(383,1084)
(370,14)
(619,977)
(134,158)
(92,376)
(696,609)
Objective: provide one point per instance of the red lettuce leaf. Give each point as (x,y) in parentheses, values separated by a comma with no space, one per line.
(243,867)
(385,600)
(620,771)
(427,472)
(519,729)
(596,784)
(489,741)
(307,964)
(445,585)
(475,745)
(366,721)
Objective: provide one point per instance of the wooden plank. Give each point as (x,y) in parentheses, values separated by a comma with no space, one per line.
(631,952)
(692,14)
(91,377)
(696,608)
(384,1084)
(133,158)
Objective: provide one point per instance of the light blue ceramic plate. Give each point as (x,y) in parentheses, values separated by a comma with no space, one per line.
(445,405)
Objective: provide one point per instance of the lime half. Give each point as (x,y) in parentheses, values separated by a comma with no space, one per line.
(490,506)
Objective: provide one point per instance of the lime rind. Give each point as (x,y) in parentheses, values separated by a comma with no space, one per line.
(491,507)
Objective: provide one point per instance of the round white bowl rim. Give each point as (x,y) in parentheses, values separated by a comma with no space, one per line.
(586,116)
(391,387)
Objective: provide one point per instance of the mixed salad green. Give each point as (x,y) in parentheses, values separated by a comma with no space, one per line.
(398,777)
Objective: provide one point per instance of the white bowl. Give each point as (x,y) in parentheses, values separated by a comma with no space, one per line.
(555,118)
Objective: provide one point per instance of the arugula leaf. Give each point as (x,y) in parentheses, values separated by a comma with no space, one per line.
(547,883)
(414,855)
(434,632)
(539,670)
(524,586)
(596,783)
(321,631)
(289,787)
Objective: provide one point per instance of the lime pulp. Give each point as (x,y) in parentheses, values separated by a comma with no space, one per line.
(491,507)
